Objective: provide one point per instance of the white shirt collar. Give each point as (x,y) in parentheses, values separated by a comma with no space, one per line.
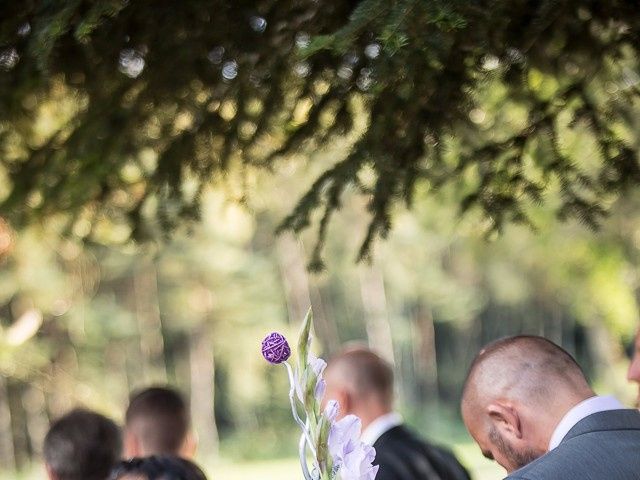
(379,427)
(582,410)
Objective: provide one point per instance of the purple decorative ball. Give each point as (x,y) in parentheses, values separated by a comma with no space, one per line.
(275,348)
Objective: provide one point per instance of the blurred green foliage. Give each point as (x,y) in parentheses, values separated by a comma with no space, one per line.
(87,315)
(115,318)
(146,117)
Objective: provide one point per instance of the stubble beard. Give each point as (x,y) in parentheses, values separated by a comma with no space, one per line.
(517,458)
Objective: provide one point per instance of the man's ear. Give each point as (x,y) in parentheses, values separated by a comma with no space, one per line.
(189,446)
(506,419)
(132,447)
(345,403)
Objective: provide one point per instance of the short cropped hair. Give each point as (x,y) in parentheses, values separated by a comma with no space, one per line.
(159,416)
(82,445)
(535,363)
(366,372)
(163,467)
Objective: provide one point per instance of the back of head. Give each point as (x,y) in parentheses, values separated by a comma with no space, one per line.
(524,367)
(517,391)
(165,467)
(82,445)
(159,419)
(364,373)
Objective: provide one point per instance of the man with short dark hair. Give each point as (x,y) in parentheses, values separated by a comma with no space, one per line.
(82,445)
(362,384)
(158,423)
(528,405)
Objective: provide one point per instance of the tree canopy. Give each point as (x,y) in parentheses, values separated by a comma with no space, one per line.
(127,110)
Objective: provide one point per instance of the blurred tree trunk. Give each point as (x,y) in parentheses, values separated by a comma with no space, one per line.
(147,310)
(374,302)
(294,277)
(18,428)
(115,356)
(424,353)
(37,422)
(569,335)
(606,353)
(300,292)
(7,454)
(202,365)
(467,341)
(62,372)
(134,368)
(124,289)
(324,319)
(556,325)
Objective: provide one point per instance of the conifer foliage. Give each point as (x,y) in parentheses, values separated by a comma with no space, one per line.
(154,99)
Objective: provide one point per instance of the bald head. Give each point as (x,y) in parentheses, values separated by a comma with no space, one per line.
(361,381)
(524,367)
(517,391)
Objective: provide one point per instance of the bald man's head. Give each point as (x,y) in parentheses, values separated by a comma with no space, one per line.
(527,367)
(361,382)
(517,391)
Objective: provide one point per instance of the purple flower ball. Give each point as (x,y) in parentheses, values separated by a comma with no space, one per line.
(275,348)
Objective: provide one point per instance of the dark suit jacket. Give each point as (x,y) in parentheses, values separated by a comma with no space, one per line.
(403,456)
(602,446)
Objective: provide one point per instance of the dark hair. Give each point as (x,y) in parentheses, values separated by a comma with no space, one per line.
(160,419)
(165,467)
(82,445)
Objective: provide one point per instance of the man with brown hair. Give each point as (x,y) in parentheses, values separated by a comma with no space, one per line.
(158,422)
(362,383)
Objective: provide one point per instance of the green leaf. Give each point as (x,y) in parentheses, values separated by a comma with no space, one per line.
(322,447)
(304,340)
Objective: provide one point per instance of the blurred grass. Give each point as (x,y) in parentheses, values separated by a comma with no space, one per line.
(288,468)
(479,467)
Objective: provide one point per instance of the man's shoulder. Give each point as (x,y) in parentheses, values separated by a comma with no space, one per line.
(400,444)
(403,437)
(612,453)
(550,465)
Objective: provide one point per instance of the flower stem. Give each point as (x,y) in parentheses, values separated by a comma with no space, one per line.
(294,411)
(303,457)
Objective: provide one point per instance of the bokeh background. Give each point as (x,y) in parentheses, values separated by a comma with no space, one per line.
(87,315)
(85,324)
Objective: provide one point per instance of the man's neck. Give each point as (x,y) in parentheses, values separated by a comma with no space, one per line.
(369,415)
(578,412)
(378,427)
